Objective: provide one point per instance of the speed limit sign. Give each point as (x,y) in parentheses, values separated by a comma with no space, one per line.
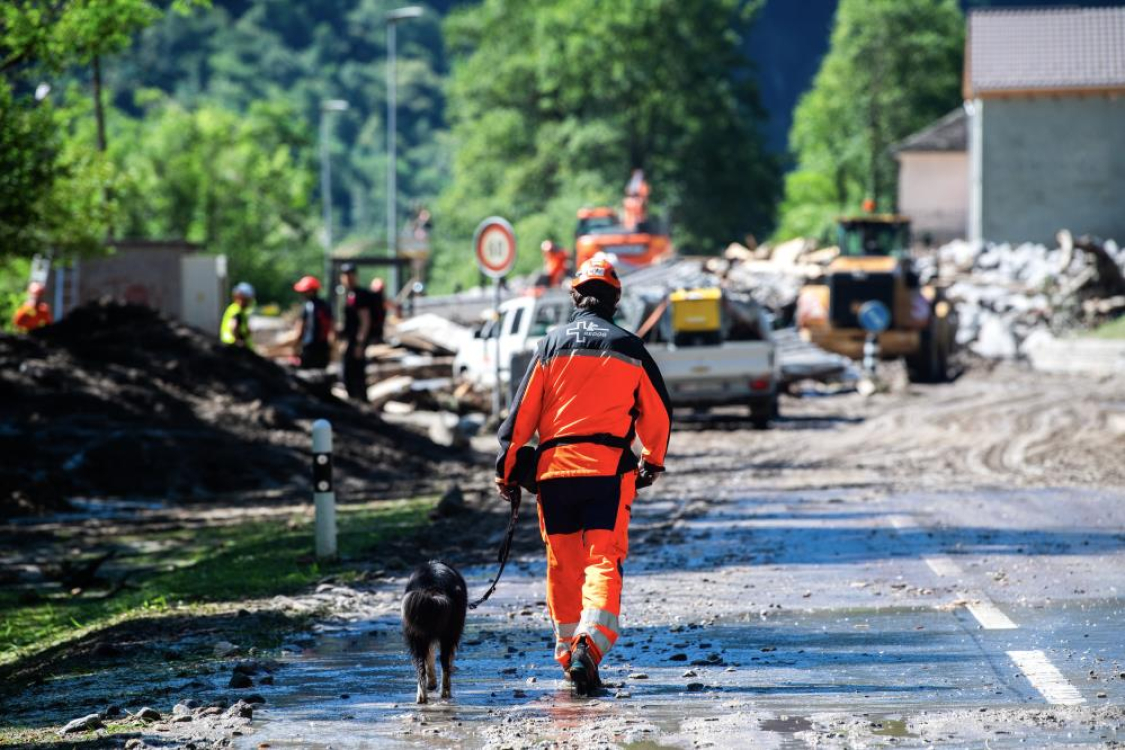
(495,246)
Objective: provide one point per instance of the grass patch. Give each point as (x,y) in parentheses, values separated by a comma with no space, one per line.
(1115,329)
(205,570)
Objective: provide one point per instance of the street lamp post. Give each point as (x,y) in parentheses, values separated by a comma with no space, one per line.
(393,17)
(326,107)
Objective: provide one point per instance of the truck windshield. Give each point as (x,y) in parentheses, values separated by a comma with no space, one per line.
(625,251)
(547,316)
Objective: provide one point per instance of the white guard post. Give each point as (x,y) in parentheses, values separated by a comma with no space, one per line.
(323,495)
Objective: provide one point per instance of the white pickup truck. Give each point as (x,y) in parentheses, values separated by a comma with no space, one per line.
(739,366)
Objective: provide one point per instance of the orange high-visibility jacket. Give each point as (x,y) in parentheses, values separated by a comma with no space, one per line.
(30,316)
(590,389)
(554,264)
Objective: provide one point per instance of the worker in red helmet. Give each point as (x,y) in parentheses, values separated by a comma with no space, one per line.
(589,392)
(314,331)
(34,312)
(555,264)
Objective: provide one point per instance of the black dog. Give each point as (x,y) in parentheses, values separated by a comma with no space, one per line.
(433,613)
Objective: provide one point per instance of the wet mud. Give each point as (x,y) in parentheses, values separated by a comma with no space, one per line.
(818,584)
(778,594)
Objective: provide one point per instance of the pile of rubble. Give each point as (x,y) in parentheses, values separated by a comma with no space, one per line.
(1008,296)
(116,400)
(1005,295)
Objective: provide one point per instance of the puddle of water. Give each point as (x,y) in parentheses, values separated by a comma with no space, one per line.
(891,728)
(505,673)
(785,724)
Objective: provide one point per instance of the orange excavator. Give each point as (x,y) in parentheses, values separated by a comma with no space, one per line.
(634,239)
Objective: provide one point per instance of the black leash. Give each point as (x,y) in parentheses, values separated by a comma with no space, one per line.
(505,546)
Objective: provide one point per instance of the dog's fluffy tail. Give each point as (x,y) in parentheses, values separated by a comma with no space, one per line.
(426,615)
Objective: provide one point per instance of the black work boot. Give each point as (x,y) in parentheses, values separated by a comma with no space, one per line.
(583,671)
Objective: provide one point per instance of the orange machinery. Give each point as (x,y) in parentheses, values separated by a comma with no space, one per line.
(639,240)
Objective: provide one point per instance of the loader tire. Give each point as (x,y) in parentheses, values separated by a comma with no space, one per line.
(931,363)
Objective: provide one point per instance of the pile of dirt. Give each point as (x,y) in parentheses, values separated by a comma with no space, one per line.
(117,401)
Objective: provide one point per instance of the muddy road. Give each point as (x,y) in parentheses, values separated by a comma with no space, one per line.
(939,565)
(934,565)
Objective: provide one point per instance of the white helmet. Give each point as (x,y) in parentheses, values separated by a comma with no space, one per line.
(244,290)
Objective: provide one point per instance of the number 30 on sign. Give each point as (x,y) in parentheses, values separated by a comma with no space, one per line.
(495,246)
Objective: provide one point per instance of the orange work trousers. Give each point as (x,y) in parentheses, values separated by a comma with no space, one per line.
(585,525)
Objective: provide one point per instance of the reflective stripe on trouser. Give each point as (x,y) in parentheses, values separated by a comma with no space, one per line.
(585,524)
(564,637)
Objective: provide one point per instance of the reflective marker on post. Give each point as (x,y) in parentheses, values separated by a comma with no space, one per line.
(870,353)
(323,495)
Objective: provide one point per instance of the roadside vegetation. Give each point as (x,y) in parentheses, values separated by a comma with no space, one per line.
(197,570)
(1112,330)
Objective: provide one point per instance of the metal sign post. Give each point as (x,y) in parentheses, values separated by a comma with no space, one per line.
(494,244)
(874,317)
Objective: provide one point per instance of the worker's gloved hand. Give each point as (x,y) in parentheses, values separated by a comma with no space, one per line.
(647,474)
(509,492)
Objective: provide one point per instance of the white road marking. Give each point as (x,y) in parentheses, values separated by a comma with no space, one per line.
(902,522)
(989,615)
(1035,666)
(943,566)
(1046,678)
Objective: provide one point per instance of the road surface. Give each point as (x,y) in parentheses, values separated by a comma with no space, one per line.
(940,565)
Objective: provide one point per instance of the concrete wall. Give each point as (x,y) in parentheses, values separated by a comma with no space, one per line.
(933,190)
(1049,163)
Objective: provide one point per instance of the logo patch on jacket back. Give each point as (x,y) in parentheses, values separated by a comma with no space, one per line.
(583,331)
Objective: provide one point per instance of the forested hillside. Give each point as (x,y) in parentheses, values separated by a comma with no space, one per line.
(213,119)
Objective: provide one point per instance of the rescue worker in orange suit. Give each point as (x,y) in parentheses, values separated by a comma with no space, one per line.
(555,262)
(589,391)
(34,312)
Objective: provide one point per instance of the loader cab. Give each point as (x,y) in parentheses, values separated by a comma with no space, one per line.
(874,236)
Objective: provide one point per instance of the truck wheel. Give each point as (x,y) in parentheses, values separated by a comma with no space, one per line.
(761,412)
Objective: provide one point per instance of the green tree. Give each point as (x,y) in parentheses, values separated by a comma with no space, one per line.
(893,66)
(552,104)
(242,51)
(56,197)
(237,183)
(51,189)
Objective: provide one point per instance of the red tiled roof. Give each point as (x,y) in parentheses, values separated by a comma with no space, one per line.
(1045,49)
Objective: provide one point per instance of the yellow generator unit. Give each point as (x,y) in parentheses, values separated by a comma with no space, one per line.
(696,310)
(696,316)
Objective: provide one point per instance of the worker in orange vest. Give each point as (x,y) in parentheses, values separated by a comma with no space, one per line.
(591,389)
(34,312)
(555,262)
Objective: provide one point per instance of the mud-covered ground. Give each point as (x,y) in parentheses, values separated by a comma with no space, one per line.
(939,565)
(118,401)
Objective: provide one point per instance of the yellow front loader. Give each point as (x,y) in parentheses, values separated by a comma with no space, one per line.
(874,266)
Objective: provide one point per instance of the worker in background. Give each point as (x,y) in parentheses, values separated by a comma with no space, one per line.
(34,312)
(636,199)
(589,391)
(378,300)
(314,331)
(357,328)
(555,264)
(235,328)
